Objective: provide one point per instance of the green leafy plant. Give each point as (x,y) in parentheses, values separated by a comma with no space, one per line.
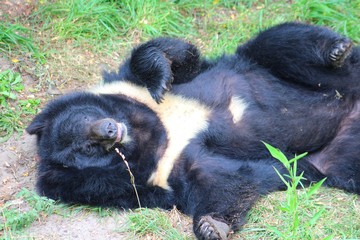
(10,82)
(13,110)
(294,200)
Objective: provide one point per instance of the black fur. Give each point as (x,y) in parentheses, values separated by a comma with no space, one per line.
(299,84)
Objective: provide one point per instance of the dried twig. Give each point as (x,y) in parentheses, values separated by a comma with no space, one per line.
(132,178)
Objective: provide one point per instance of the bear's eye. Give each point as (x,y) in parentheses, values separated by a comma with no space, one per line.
(86,118)
(87,148)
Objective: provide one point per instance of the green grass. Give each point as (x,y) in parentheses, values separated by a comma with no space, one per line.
(303,213)
(80,19)
(86,20)
(15,37)
(217,25)
(14,219)
(147,18)
(338,220)
(341,15)
(153,223)
(10,84)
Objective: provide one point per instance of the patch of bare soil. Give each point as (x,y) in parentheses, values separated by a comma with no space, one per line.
(16,8)
(81,226)
(17,166)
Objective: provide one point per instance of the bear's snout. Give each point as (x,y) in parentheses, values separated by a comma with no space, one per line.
(106,128)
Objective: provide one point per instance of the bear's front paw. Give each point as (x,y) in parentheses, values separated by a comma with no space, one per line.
(211,229)
(158,87)
(341,49)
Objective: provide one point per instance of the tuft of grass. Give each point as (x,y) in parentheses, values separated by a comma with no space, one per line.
(298,221)
(339,218)
(13,110)
(102,19)
(149,18)
(225,24)
(152,222)
(13,36)
(15,217)
(80,19)
(341,15)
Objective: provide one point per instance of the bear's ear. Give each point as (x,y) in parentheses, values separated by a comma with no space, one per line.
(37,125)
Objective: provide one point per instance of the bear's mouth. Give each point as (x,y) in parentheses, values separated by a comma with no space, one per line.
(121,132)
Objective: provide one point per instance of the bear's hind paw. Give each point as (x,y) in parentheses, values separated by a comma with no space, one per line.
(211,229)
(341,49)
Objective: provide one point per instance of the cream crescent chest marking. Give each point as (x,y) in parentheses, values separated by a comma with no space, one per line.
(237,107)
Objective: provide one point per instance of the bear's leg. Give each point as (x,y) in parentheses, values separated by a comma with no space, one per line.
(311,55)
(219,200)
(340,168)
(164,61)
(222,210)
(339,161)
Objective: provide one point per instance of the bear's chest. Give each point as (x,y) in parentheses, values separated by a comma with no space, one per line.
(182,118)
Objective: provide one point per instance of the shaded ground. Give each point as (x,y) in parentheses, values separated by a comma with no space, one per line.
(81,226)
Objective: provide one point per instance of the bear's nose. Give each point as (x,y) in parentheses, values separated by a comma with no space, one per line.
(104,129)
(109,129)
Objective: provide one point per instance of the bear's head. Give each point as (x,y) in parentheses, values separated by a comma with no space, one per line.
(83,130)
(80,130)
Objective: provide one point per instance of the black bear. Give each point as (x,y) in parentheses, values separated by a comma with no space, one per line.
(191,129)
